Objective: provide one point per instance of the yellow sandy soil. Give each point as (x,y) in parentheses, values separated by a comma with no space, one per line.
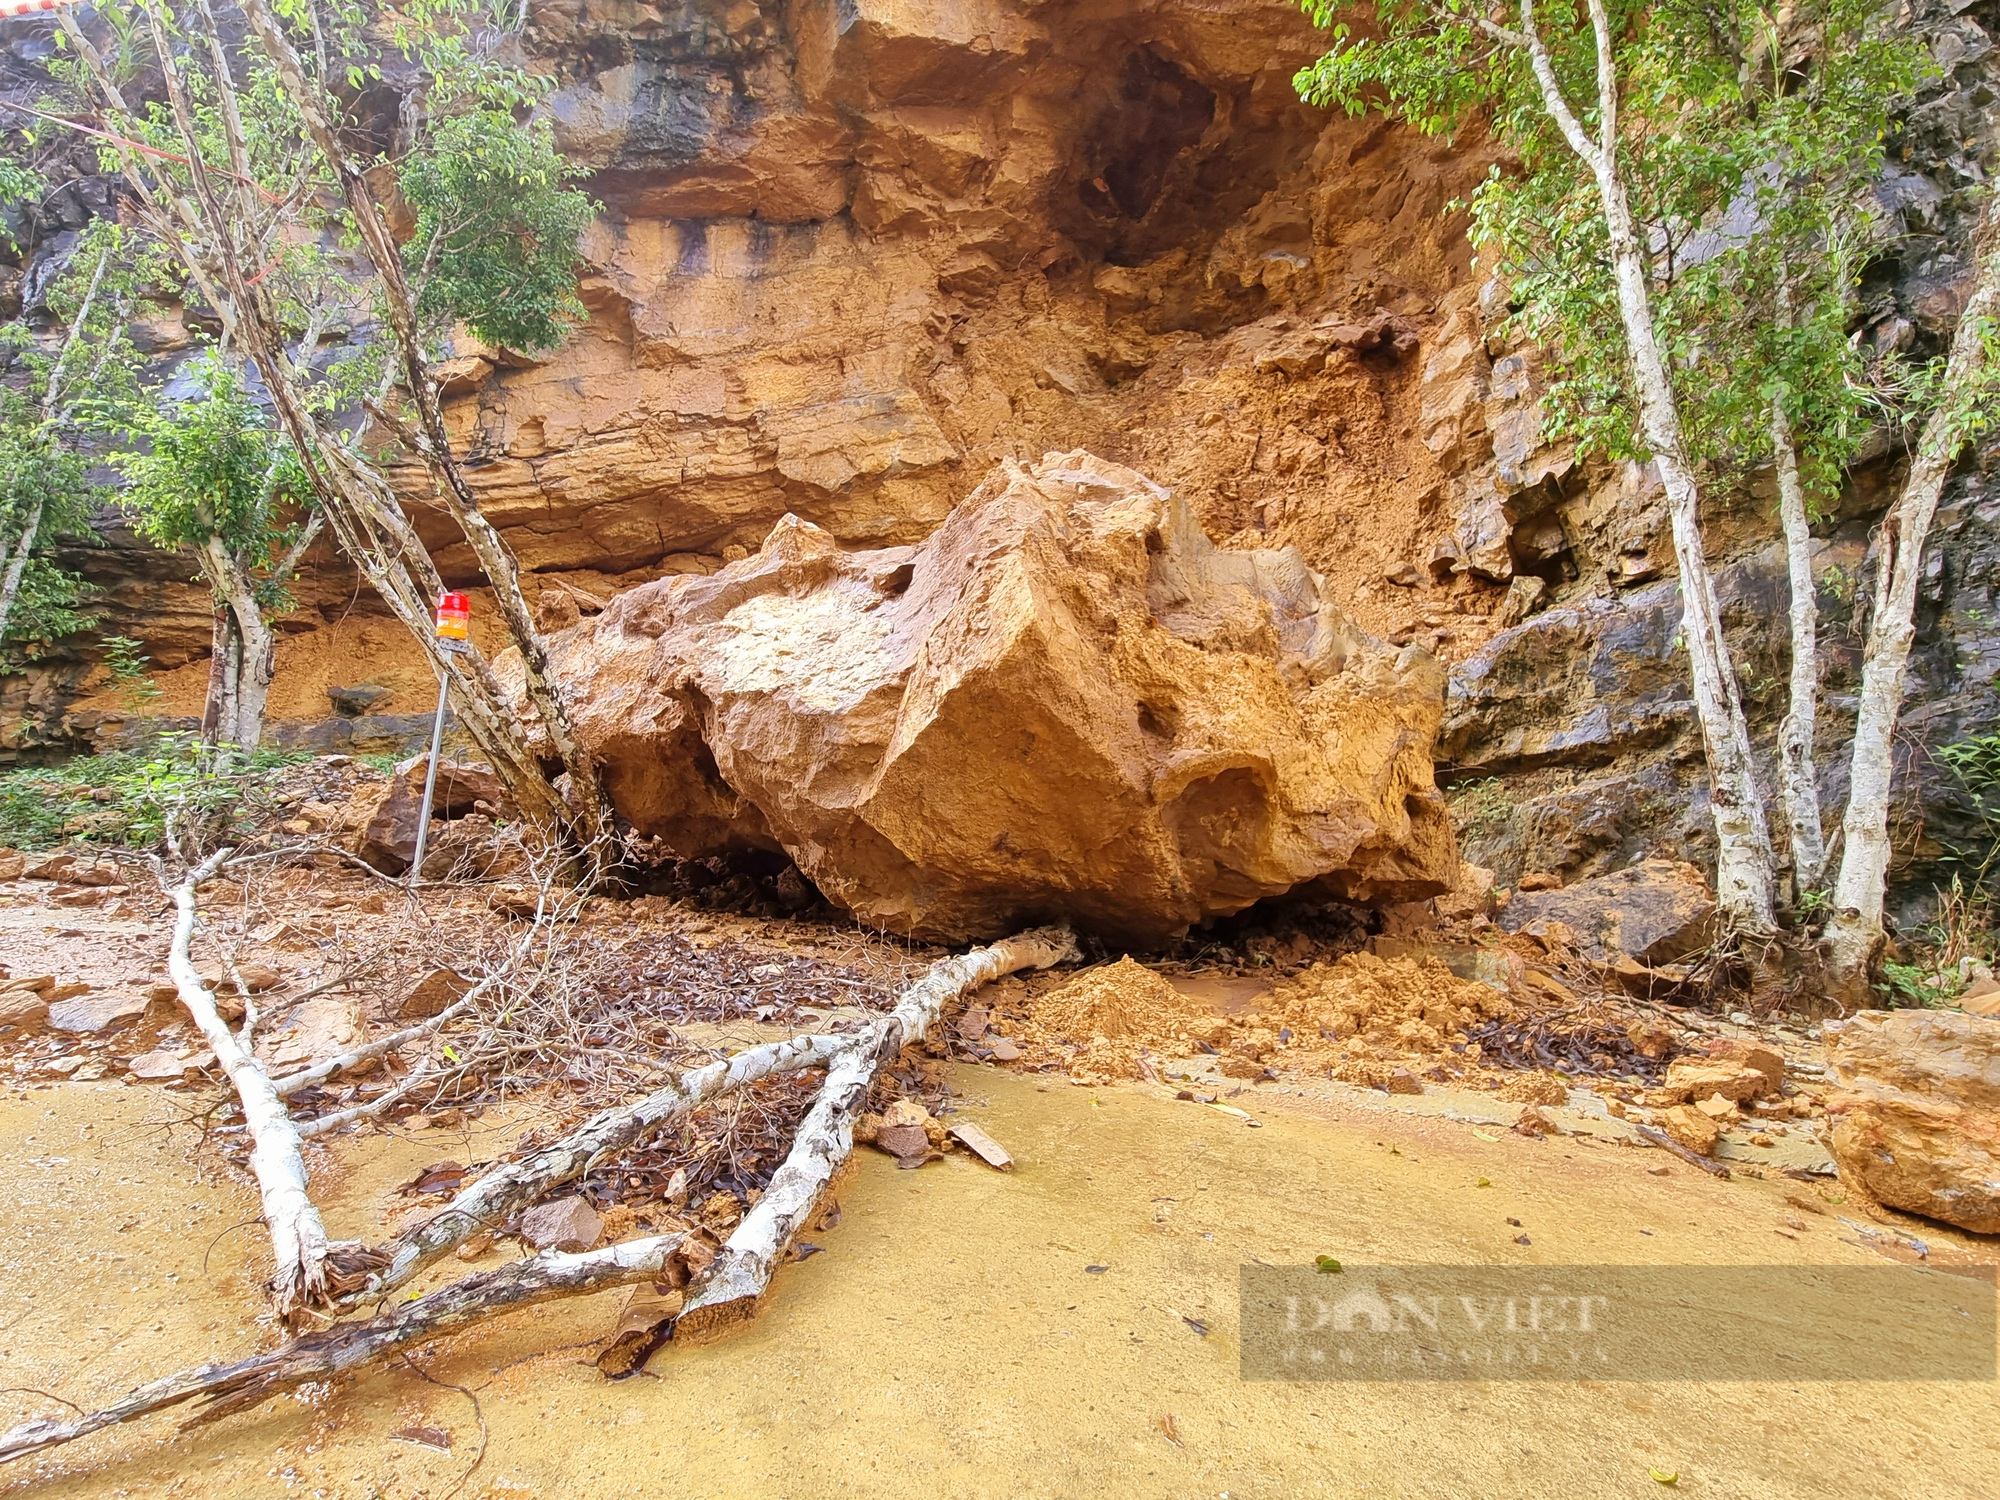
(950,1342)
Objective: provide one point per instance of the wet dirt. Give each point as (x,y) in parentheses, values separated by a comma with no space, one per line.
(952,1340)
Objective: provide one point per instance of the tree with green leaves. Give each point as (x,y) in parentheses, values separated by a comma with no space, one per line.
(211,476)
(1675,233)
(84,387)
(246,173)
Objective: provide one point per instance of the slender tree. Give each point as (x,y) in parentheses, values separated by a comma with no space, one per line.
(210,476)
(225,173)
(1671,158)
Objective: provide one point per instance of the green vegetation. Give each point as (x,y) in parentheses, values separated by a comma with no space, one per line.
(125,798)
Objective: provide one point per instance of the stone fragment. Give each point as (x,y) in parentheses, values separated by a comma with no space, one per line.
(11,866)
(160,1067)
(389,832)
(904,1142)
(1403,1081)
(568,1224)
(1470,897)
(1065,703)
(94,1013)
(432,994)
(982,1145)
(1915,1119)
(1655,911)
(39,984)
(353,702)
(1003,1049)
(1689,1079)
(1745,1053)
(23,1012)
(1692,1129)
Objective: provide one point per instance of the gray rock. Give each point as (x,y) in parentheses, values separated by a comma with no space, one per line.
(1655,911)
(92,1014)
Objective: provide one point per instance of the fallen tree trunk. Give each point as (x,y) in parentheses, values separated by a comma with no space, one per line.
(741,1275)
(502,1193)
(320,1356)
(825,1140)
(302,1277)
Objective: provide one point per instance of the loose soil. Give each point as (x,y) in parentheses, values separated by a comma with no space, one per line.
(950,1340)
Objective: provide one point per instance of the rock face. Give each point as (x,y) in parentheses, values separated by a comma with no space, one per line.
(1065,704)
(1917,1121)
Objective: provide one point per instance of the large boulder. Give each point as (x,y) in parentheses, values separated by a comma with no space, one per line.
(1066,703)
(1916,1121)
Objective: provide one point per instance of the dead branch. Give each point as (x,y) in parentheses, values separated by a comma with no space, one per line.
(825,1138)
(502,1193)
(301,1278)
(320,1356)
(319,1072)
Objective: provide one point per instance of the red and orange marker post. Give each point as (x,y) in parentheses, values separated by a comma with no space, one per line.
(453,632)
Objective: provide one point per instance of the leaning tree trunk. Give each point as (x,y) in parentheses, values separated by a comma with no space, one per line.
(17,567)
(1854,933)
(1744,883)
(433,443)
(362,511)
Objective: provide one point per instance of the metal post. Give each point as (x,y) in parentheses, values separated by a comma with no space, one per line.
(430,778)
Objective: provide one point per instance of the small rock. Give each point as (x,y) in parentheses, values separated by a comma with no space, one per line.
(1533,1122)
(160,1067)
(23,1011)
(1540,880)
(1689,1079)
(568,1224)
(972,1025)
(11,866)
(904,1142)
(52,867)
(1004,1050)
(88,1072)
(39,984)
(1405,575)
(1748,1054)
(1716,1107)
(69,991)
(982,1145)
(91,1014)
(1692,1129)
(475,1248)
(430,995)
(1403,1081)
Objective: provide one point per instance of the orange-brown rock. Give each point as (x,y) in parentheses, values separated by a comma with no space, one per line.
(1066,703)
(1916,1121)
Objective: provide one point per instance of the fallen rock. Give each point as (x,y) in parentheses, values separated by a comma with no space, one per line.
(1691,1128)
(982,1145)
(92,1014)
(432,995)
(1471,896)
(1535,1088)
(37,984)
(11,866)
(1066,703)
(49,867)
(161,1067)
(389,832)
(1745,1053)
(23,1012)
(1003,1049)
(568,1224)
(1981,998)
(1689,1079)
(904,1142)
(1915,1120)
(1655,912)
